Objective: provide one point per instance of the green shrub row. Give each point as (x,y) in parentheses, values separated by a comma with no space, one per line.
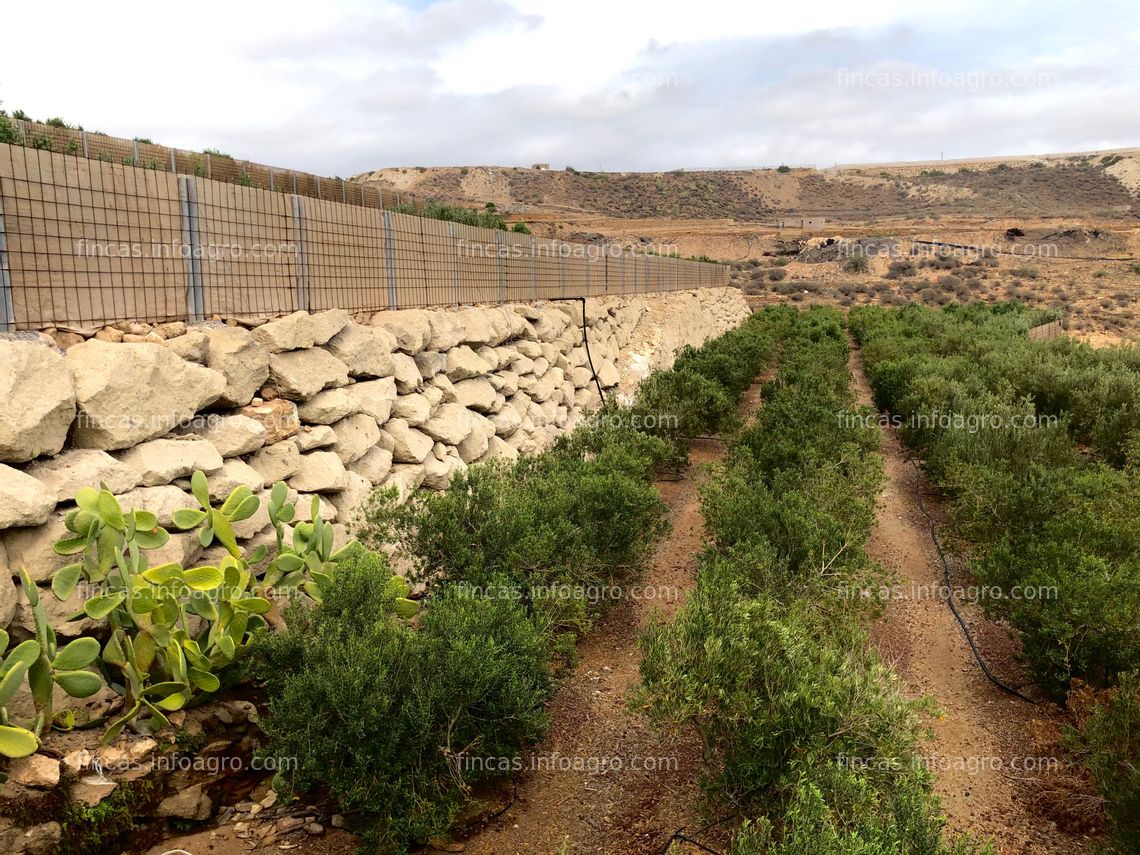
(1045,512)
(699,394)
(1051,507)
(518,560)
(806,732)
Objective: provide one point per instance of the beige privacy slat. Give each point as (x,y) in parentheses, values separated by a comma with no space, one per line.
(91,241)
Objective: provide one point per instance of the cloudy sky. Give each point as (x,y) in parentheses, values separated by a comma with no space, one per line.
(342,86)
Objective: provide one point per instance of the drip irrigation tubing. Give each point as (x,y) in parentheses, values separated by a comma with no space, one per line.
(586,341)
(1005,687)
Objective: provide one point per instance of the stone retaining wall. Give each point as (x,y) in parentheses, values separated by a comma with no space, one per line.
(333,405)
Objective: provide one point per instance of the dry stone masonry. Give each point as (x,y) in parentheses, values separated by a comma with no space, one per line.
(333,405)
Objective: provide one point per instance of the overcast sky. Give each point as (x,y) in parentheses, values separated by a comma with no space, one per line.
(341,86)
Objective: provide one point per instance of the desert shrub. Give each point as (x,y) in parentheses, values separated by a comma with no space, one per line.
(776,274)
(685,403)
(765,660)
(1108,744)
(901,269)
(541,523)
(8,132)
(857,264)
(381,714)
(836,813)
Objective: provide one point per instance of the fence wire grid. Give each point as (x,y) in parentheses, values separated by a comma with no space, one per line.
(85,242)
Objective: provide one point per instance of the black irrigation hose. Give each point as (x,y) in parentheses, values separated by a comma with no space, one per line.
(950,594)
(586,340)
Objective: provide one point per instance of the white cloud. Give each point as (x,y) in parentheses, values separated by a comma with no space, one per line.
(350,85)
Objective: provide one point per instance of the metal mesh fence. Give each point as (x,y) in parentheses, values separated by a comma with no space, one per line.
(86,242)
(203,164)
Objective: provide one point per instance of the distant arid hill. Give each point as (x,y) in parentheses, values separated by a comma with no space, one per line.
(1072,184)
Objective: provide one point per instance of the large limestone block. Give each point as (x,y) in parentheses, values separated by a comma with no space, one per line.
(278,417)
(463,362)
(367,351)
(276,462)
(476,393)
(328,324)
(415,409)
(430,363)
(408,444)
(316,436)
(300,374)
(450,424)
(292,332)
(608,374)
(355,435)
(330,406)
(62,476)
(406,373)
(447,330)
(241,359)
(506,421)
(38,400)
(31,548)
(319,472)
(477,442)
(301,330)
(498,449)
(439,472)
(129,393)
(374,465)
(162,461)
(233,474)
(376,397)
(411,327)
(232,436)
(23,500)
(193,346)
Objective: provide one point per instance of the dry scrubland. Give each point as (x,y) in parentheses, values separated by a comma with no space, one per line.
(1073,206)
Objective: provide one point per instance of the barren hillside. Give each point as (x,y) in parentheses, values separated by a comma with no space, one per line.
(1060,186)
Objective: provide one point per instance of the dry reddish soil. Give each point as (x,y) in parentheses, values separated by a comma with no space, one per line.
(983,750)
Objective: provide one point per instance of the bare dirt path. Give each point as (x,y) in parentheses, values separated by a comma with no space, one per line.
(983,749)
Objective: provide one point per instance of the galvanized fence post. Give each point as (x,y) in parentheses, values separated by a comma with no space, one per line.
(561,270)
(390,256)
(83,137)
(302,255)
(195,293)
(502,266)
(533,270)
(453,229)
(7,308)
